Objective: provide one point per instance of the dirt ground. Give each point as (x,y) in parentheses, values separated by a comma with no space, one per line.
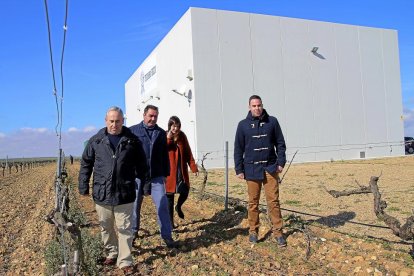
(25,199)
(345,236)
(304,186)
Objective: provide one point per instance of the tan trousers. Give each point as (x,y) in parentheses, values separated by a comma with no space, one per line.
(116,231)
(271,187)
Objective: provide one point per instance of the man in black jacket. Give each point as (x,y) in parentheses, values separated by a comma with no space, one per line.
(116,158)
(259,157)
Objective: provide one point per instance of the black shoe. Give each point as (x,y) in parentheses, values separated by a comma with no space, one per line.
(171,243)
(253,238)
(281,242)
(179,212)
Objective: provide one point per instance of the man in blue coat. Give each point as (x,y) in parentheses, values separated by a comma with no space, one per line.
(259,157)
(154,141)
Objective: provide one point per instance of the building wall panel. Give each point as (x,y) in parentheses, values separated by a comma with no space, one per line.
(393,98)
(300,116)
(324,87)
(351,101)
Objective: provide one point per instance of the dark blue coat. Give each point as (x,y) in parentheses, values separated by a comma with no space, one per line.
(155,149)
(259,146)
(114,172)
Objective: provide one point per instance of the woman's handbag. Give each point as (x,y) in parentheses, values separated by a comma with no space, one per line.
(182,187)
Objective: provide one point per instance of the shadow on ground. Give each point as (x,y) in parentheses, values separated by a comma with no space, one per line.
(336,220)
(222,226)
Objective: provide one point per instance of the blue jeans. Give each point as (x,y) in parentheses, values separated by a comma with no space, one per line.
(161,203)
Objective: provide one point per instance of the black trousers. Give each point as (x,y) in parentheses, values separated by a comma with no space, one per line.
(180,201)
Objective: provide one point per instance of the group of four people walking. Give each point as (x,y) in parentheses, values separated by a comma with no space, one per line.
(130,163)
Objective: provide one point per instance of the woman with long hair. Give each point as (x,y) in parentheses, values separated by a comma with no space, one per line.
(181,157)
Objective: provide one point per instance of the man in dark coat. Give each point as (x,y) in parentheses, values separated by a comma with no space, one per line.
(259,157)
(154,141)
(116,158)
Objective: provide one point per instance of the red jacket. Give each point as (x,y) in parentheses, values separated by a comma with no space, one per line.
(186,159)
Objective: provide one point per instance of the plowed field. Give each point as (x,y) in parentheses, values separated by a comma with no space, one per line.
(345,236)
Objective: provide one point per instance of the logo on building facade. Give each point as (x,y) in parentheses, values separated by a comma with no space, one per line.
(142,78)
(148,76)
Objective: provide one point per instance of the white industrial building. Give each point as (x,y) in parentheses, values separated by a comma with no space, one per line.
(335,88)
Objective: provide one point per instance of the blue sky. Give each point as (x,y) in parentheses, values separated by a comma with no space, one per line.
(105,43)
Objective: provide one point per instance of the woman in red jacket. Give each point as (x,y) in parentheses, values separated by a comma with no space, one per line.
(181,157)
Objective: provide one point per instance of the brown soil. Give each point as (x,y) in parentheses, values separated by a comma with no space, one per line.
(25,199)
(345,236)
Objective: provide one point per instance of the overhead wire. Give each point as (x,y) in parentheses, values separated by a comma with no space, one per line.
(59,109)
(218,154)
(52,66)
(65,28)
(59,102)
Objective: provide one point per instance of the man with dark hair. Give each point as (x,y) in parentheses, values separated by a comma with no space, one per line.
(116,158)
(154,141)
(259,157)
